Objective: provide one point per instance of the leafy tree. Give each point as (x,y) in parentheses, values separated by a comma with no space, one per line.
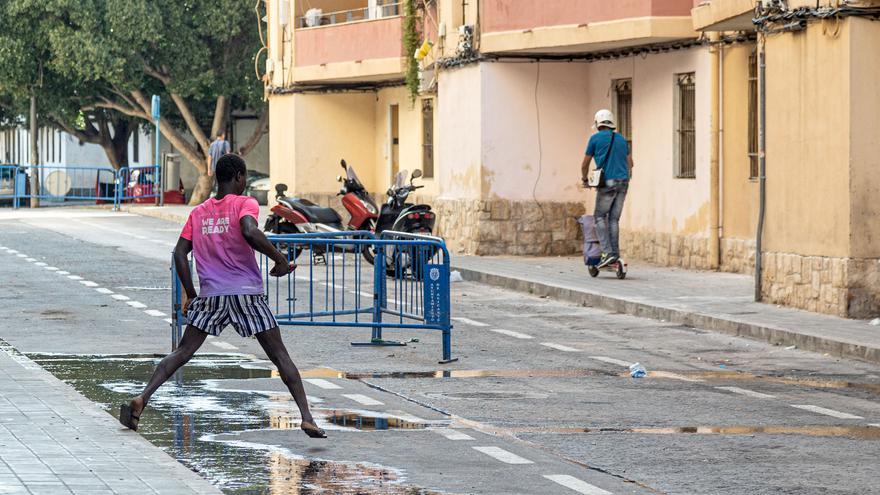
(113,54)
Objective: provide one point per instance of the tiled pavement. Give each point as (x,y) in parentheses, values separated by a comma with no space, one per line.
(55,441)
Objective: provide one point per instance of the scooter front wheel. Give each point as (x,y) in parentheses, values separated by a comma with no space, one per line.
(594,272)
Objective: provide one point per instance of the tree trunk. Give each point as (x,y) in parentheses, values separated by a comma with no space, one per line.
(202,190)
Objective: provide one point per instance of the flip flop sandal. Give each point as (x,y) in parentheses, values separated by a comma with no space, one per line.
(127,418)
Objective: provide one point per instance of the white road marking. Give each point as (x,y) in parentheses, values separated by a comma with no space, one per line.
(223,345)
(503,455)
(609,360)
(11,251)
(575,484)
(39,263)
(74,277)
(168,320)
(21,255)
(322,383)
(560,347)
(120,297)
(62,272)
(827,412)
(154,312)
(511,333)
(454,434)
(102,290)
(363,399)
(136,304)
(750,393)
(88,283)
(51,268)
(468,321)
(875,425)
(672,376)
(30,260)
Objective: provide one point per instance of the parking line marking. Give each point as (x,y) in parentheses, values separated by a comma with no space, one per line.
(451,434)
(363,399)
(223,345)
(39,263)
(511,333)
(88,283)
(827,412)
(750,393)
(136,304)
(102,290)
(609,360)
(120,297)
(503,455)
(74,277)
(473,323)
(62,272)
(322,383)
(154,312)
(560,347)
(575,484)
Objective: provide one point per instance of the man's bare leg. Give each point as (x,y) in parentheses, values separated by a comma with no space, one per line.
(274,348)
(192,340)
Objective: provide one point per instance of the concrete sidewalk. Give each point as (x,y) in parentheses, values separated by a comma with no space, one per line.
(55,441)
(716,301)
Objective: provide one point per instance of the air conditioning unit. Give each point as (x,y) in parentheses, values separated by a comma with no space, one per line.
(283,12)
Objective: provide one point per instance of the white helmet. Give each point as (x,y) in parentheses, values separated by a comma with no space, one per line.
(604,118)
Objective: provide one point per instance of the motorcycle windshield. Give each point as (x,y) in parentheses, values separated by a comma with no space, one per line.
(400,180)
(350,175)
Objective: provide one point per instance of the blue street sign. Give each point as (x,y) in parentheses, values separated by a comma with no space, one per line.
(436,294)
(155,107)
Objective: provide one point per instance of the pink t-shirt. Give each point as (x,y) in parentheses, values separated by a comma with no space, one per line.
(224,260)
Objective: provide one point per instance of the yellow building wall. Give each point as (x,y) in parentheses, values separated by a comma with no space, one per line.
(282,149)
(864,134)
(739,210)
(808,139)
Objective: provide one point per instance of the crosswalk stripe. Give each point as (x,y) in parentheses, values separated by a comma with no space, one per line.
(451,434)
(511,333)
(363,399)
(575,484)
(503,455)
(88,283)
(827,412)
(560,347)
(322,383)
(120,297)
(136,304)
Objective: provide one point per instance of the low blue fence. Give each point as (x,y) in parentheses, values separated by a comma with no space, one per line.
(406,287)
(63,185)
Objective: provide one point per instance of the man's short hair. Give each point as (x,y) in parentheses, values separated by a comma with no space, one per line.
(228,166)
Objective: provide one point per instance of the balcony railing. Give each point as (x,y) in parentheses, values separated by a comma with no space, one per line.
(317,18)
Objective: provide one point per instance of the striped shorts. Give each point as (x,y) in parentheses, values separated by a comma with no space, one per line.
(249,314)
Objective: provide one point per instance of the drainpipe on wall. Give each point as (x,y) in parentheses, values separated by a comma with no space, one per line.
(714,176)
(762,163)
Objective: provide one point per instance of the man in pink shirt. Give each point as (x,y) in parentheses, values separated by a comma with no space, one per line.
(222,234)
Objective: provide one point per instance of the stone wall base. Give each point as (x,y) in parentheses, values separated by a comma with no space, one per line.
(502,227)
(738,255)
(844,287)
(660,248)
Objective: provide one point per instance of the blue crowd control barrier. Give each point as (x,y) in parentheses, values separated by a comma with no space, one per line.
(406,288)
(138,184)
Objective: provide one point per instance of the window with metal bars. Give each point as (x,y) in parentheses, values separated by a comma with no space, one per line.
(428,137)
(685,131)
(623,108)
(753,115)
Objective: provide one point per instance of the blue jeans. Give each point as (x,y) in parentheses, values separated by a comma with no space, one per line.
(609,206)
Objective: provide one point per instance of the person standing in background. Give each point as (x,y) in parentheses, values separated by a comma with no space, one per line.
(218,148)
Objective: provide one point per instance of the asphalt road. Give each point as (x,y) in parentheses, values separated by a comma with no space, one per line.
(539,402)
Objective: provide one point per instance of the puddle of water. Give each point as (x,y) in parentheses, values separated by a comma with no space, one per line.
(188,411)
(854,432)
(499,373)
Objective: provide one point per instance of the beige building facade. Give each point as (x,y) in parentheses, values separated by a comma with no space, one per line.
(504,112)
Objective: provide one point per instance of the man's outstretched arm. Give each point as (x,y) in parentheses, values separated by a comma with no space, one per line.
(181,262)
(255,237)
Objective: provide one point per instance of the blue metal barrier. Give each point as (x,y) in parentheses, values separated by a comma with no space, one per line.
(9,183)
(138,184)
(407,287)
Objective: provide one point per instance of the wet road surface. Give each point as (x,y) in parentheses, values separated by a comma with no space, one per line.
(540,401)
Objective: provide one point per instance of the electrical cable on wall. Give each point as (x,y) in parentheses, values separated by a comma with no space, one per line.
(540,144)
